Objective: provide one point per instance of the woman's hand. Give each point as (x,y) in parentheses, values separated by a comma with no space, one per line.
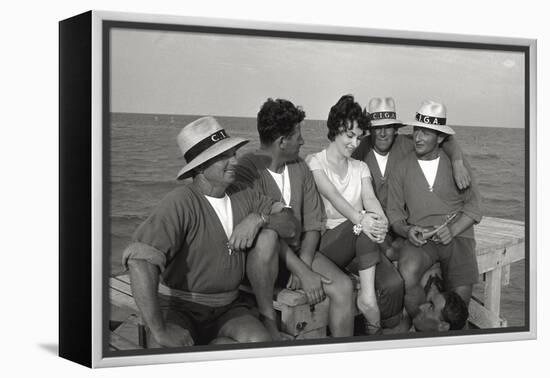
(375,226)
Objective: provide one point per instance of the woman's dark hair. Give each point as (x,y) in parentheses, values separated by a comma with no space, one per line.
(342,115)
(278,118)
(455,311)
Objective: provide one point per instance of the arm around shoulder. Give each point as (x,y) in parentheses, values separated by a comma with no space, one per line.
(461,174)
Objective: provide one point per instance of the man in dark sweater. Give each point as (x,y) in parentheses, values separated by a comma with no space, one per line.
(436,217)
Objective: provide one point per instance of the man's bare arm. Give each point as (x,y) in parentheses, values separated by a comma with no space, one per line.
(300,267)
(460,172)
(144,278)
(283,222)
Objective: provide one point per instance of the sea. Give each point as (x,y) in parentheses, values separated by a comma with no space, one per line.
(145,159)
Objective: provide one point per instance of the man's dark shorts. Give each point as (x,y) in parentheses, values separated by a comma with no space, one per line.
(457,259)
(203,322)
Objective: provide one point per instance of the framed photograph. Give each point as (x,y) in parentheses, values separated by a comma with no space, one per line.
(149,104)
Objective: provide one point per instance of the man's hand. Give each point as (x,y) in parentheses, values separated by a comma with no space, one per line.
(443,235)
(461,175)
(285,224)
(293,282)
(415,236)
(312,284)
(173,336)
(245,232)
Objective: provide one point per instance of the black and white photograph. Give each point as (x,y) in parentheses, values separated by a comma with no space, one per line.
(286,187)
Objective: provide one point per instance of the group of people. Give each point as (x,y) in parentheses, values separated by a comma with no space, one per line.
(384,205)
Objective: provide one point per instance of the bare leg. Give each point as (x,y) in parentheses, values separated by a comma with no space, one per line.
(262,268)
(340,293)
(413,262)
(366,299)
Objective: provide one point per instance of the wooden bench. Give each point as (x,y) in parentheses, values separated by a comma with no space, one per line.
(499,243)
(298,319)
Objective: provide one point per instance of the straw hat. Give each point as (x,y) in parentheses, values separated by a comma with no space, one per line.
(382,112)
(432,115)
(202,140)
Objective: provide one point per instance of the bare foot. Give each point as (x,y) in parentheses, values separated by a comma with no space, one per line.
(271,326)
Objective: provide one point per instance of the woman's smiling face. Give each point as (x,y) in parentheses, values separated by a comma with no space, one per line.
(348,140)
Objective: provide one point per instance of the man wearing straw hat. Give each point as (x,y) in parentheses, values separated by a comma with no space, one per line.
(186,260)
(277,171)
(384,148)
(434,216)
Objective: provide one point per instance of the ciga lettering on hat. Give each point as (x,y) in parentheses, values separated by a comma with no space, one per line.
(431,120)
(432,115)
(382,112)
(383,115)
(202,140)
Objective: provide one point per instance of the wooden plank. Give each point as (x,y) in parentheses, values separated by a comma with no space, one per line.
(496,233)
(482,318)
(500,257)
(121,294)
(292,297)
(120,284)
(505,275)
(493,280)
(122,300)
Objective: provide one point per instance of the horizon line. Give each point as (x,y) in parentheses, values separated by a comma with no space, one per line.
(306,119)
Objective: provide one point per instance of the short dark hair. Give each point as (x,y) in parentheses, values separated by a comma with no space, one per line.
(342,114)
(278,118)
(455,311)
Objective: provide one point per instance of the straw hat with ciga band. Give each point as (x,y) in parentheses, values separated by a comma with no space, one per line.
(432,115)
(202,140)
(382,112)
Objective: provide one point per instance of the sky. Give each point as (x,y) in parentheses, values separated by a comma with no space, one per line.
(223,75)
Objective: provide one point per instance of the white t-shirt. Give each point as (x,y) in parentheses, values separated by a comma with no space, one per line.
(222,207)
(283,182)
(349,186)
(382,161)
(429,167)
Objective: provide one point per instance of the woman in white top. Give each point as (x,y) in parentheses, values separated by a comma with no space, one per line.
(355,220)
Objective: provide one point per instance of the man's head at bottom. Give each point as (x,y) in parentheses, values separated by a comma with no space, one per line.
(443,310)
